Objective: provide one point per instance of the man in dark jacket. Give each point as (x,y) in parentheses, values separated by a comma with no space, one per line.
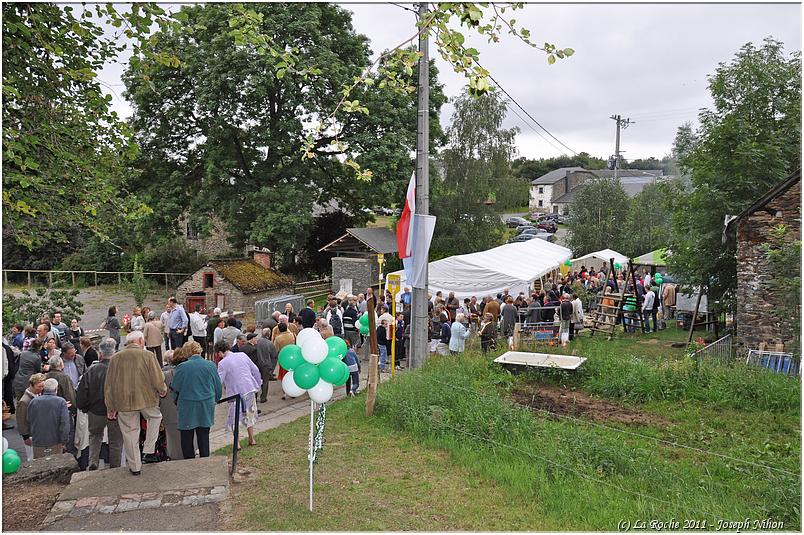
(49,421)
(308,315)
(90,399)
(266,360)
(30,363)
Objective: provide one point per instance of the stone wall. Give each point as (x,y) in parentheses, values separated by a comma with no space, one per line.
(210,246)
(235,299)
(757,297)
(363,272)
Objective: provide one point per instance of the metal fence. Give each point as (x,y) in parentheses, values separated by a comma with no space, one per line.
(775,361)
(721,351)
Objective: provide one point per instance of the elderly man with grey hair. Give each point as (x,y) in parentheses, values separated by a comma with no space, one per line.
(153,336)
(49,421)
(66,389)
(90,400)
(74,365)
(134,383)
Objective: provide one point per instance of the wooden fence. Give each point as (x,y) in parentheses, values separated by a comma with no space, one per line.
(41,277)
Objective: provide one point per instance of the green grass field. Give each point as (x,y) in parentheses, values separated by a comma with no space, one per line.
(641,432)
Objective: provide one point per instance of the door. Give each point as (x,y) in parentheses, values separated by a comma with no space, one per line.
(193,300)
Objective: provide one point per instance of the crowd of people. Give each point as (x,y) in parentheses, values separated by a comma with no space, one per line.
(154,398)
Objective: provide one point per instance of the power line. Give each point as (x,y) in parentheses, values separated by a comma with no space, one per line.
(406,8)
(514,101)
(532,127)
(526,112)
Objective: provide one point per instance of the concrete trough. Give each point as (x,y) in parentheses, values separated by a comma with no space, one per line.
(516,361)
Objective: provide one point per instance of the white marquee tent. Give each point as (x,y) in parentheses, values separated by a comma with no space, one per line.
(514,266)
(596,259)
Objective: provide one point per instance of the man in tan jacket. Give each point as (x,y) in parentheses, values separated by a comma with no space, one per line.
(153,336)
(134,383)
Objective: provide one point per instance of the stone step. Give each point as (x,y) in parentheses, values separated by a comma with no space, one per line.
(169,484)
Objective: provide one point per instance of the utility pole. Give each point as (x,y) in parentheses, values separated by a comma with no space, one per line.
(621,123)
(420,321)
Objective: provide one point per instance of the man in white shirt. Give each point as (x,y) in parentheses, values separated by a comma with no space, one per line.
(198,328)
(361,303)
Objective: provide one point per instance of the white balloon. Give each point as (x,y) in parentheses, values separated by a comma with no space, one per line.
(290,387)
(305,334)
(314,350)
(321,392)
(5,444)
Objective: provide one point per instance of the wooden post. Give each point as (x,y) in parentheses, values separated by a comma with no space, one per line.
(374,372)
(119,279)
(73,274)
(29,279)
(50,279)
(695,314)
(5,277)
(167,289)
(517,334)
(96,279)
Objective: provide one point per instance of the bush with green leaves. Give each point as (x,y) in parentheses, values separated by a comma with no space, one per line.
(29,307)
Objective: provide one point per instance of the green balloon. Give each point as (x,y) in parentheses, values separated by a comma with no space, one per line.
(337,347)
(306,375)
(291,357)
(364,329)
(345,371)
(568,262)
(617,265)
(11,461)
(329,369)
(658,279)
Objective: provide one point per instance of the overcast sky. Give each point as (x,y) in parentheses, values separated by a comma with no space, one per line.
(648,62)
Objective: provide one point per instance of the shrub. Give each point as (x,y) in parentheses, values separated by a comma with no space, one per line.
(29,307)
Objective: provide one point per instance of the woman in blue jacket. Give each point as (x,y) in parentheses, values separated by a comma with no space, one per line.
(196,388)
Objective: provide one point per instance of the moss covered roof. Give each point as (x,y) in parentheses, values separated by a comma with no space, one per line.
(248,276)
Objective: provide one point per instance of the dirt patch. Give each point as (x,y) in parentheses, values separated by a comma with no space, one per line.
(563,402)
(25,506)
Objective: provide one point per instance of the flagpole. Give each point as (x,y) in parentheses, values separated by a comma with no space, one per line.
(419,327)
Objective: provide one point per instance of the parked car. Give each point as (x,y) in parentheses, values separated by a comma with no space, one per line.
(530,230)
(520,228)
(385,211)
(562,219)
(546,236)
(547,226)
(513,222)
(398,212)
(521,238)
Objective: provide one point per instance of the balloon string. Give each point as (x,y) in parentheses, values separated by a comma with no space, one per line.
(318,439)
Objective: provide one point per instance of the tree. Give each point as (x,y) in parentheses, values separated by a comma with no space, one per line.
(233,123)
(477,155)
(64,149)
(598,216)
(745,145)
(29,307)
(783,252)
(650,214)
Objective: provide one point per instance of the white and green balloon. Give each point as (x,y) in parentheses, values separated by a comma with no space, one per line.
(314,366)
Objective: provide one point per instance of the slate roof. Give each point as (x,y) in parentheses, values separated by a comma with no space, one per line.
(368,240)
(554,176)
(248,276)
(632,186)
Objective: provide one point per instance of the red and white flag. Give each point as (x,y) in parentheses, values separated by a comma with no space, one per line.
(404,228)
(413,236)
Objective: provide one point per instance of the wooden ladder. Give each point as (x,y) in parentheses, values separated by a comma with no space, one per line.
(605,318)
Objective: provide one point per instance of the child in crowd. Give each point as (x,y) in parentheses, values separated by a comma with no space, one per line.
(351,360)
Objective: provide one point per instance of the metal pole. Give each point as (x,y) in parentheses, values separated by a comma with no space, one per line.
(312,432)
(393,335)
(617,149)
(418,350)
(236,430)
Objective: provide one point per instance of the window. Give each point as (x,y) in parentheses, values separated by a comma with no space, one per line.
(192,232)
(209,280)
(541,203)
(220,301)
(541,189)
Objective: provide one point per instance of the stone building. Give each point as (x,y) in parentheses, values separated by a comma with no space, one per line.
(214,244)
(355,265)
(758,298)
(554,191)
(234,283)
